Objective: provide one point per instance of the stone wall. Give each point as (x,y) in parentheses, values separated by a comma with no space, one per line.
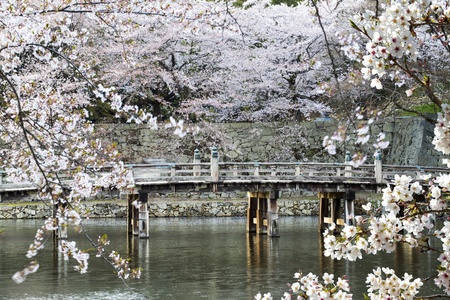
(118,209)
(308,206)
(410,142)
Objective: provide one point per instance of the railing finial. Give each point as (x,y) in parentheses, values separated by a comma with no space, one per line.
(197,154)
(347,156)
(378,167)
(378,154)
(214,152)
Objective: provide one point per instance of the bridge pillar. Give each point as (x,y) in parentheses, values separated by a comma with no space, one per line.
(262,213)
(143,225)
(132,211)
(137,215)
(330,209)
(62,232)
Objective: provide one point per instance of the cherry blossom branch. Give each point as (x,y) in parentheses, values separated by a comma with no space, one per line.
(109,261)
(22,126)
(425,84)
(68,60)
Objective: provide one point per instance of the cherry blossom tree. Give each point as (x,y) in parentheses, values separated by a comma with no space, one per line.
(274,62)
(399,32)
(48,84)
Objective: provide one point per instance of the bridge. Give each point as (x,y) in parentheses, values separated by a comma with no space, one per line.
(335,183)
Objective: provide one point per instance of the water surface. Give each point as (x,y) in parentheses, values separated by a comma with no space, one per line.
(189,258)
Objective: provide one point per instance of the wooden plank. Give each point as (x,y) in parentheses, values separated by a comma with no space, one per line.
(328,220)
(143,221)
(340,222)
(251,212)
(272,218)
(323,210)
(349,211)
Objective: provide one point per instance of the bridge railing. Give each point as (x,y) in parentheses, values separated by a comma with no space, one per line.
(215,170)
(231,170)
(416,172)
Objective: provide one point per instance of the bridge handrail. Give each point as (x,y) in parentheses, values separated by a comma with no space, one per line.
(215,170)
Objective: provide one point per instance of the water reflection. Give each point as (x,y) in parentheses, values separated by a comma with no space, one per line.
(191,258)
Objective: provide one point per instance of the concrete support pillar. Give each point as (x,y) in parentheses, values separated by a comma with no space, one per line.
(132,215)
(378,168)
(214,165)
(297,169)
(348,167)
(349,208)
(256,169)
(143,221)
(197,160)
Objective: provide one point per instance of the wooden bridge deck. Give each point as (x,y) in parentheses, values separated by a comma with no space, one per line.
(335,184)
(217,176)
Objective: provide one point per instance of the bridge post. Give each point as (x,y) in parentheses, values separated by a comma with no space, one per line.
(272,214)
(256,169)
(173,170)
(349,208)
(297,169)
(143,225)
(214,165)
(132,226)
(273,171)
(378,168)
(197,160)
(60,209)
(348,167)
(262,213)
(418,174)
(330,210)
(323,210)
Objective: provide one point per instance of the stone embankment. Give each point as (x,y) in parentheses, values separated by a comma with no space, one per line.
(174,208)
(194,208)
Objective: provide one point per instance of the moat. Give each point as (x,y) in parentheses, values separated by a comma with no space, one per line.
(190,258)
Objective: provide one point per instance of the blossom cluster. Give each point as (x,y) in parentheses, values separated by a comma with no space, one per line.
(309,287)
(37,244)
(393,35)
(390,36)
(365,118)
(392,287)
(443,277)
(101,242)
(381,233)
(69,249)
(441,140)
(20,276)
(122,269)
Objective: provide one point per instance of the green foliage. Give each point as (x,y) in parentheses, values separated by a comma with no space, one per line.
(290,3)
(101,112)
(430,108)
